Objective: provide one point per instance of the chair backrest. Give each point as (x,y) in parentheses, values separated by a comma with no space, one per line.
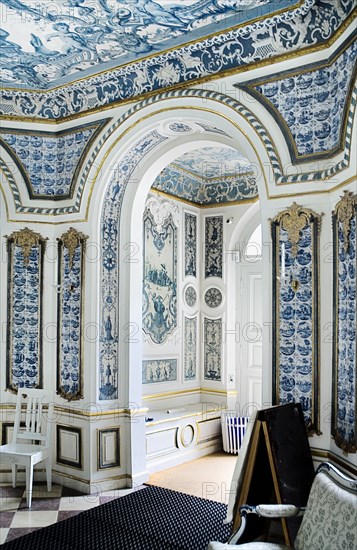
(37,425)
(330,519)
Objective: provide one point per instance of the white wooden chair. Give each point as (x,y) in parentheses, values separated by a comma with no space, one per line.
(32,443)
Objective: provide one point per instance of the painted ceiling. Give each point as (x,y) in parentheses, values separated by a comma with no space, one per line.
(45,44)
(213,162)
(209,176)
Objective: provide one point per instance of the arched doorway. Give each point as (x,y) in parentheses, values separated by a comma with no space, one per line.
(136,170)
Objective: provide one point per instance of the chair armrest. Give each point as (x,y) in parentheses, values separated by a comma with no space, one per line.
(278,510)
(266,511)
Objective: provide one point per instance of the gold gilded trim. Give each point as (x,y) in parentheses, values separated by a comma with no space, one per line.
(293,220)
(345,211)
(71,240)
(26,239)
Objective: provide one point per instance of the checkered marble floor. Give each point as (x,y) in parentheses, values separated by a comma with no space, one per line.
(61,503)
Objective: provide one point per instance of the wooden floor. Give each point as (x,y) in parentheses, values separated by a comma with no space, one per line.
(207,477)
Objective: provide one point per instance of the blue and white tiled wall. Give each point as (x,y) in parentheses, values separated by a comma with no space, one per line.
(24,319)
(344,400)
(71,250)
(295,234)
(48,161)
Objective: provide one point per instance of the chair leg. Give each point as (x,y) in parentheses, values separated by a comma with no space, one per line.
(49,474)
(14,474)
(29,481)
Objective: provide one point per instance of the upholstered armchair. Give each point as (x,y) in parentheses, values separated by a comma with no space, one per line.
(329,519)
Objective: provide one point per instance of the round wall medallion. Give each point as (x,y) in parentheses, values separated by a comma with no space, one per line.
(213,297)
(179,127)
(190,296)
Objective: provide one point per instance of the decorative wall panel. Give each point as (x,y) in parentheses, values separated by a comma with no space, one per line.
(212,342)
(25,290)
(159,370)
(159,277)
(344,396)
(311,105)
(109,274)
(190,348)
(295,233)
(71,256)
(69,451)
(214,246)
(190,245)
(50,161)
(108,448)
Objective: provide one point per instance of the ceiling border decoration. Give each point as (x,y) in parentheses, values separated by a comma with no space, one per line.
(243,47)
(230,102)
(310,90)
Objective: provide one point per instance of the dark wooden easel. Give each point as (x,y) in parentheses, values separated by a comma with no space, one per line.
(279,468)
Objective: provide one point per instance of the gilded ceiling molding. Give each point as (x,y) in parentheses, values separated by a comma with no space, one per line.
(308,26)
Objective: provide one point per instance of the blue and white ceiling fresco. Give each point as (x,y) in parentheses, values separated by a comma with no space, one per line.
(46,43)
(209,176)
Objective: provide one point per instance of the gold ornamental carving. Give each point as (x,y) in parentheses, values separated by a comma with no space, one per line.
(293,220)
(344,212)
(26,239)
(71,240)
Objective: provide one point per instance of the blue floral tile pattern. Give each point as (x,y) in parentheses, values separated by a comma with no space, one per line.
(214,246)
(159,370)
(190,245)
(24,336)
(109,269)
(212,345)
(295,357)
(49,162)
(344,398)
(190,349)
(312,104)
(70,306)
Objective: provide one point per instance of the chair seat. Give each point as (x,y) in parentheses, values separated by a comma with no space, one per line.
(248,546)
(22,449)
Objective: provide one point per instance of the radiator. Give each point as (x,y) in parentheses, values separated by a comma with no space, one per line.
(233,428)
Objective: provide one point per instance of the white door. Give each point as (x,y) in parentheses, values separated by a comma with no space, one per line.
(249,309)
